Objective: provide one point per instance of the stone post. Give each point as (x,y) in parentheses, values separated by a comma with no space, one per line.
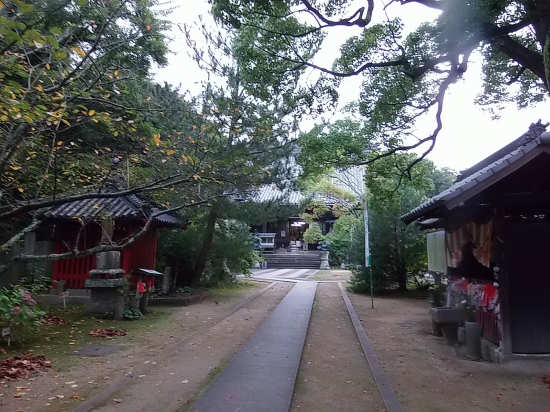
(144,302)
(166,280)
(324,260)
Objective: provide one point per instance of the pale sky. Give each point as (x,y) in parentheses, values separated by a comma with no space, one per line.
(469,134)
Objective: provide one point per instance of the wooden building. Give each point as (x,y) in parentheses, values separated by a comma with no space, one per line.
(81,222)
(496,219)
(289,231)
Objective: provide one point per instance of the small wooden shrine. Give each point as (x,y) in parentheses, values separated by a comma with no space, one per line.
(496,219)
(80,224)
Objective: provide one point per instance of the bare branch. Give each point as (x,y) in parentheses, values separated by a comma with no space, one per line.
(35,223)
(356,19)
(41,204)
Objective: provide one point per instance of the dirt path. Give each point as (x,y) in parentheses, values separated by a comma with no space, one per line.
(428,376)
(94,374)
(334,374)
(172,383)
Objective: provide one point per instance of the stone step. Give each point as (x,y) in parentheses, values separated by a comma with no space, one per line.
(293,266)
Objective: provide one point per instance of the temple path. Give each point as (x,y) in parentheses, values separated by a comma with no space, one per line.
(282,274)
(270,372)
(297,345)
(261,376)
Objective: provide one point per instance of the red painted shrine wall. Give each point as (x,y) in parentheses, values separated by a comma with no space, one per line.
(141,254)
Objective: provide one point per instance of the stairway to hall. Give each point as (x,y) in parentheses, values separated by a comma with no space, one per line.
(293,260)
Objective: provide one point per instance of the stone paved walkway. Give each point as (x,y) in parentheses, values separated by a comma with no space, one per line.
(262,375)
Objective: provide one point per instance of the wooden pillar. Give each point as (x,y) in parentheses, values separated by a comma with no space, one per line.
(503,280)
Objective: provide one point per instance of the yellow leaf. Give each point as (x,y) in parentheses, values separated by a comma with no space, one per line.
(116,73)
(170,152)
(60,142)
(15,167)
(47,66)
(4,118)
(66,122)
(184,158)
(156,138)
(81,52)
(91,112)
(115,134)
(20,189)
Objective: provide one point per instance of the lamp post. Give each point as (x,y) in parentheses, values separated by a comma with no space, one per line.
(367,249)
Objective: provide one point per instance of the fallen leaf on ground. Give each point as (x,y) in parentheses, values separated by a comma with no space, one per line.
(107,333)
(51,320)
(22,366)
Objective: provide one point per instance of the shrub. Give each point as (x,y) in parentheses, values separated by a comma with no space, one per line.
(360,280)
(19,311)
(132,314)
(313,234)
(37,284)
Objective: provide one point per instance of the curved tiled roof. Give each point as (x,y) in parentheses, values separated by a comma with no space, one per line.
(271,193)
(129,206)
(485,171)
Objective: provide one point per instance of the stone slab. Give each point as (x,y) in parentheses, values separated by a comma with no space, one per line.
(261,376)
(97,350)
(105,300)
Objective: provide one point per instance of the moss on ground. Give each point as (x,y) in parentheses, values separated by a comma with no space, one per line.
(57,343)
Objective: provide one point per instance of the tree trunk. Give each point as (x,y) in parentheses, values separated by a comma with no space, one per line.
(202,258)
(402,280)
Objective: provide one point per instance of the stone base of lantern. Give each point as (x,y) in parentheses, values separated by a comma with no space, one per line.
(106,297)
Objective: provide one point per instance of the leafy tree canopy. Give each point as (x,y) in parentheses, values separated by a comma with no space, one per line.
(405,75)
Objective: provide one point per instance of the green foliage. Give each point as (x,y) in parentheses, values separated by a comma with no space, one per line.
(65,70)
(187,289)
(398,251)
(232,249)
(360,281)
(132,314)
(442,179)
(339,144)
(37,284)
(231,252)
(313,233)
(406,73)
(340,240)
(19,311)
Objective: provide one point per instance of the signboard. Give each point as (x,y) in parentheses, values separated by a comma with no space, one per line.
(63,295)
(436,252)
(6,331)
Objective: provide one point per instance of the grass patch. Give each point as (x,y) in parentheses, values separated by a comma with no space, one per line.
(58,342)
(231,289)
(335,274)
